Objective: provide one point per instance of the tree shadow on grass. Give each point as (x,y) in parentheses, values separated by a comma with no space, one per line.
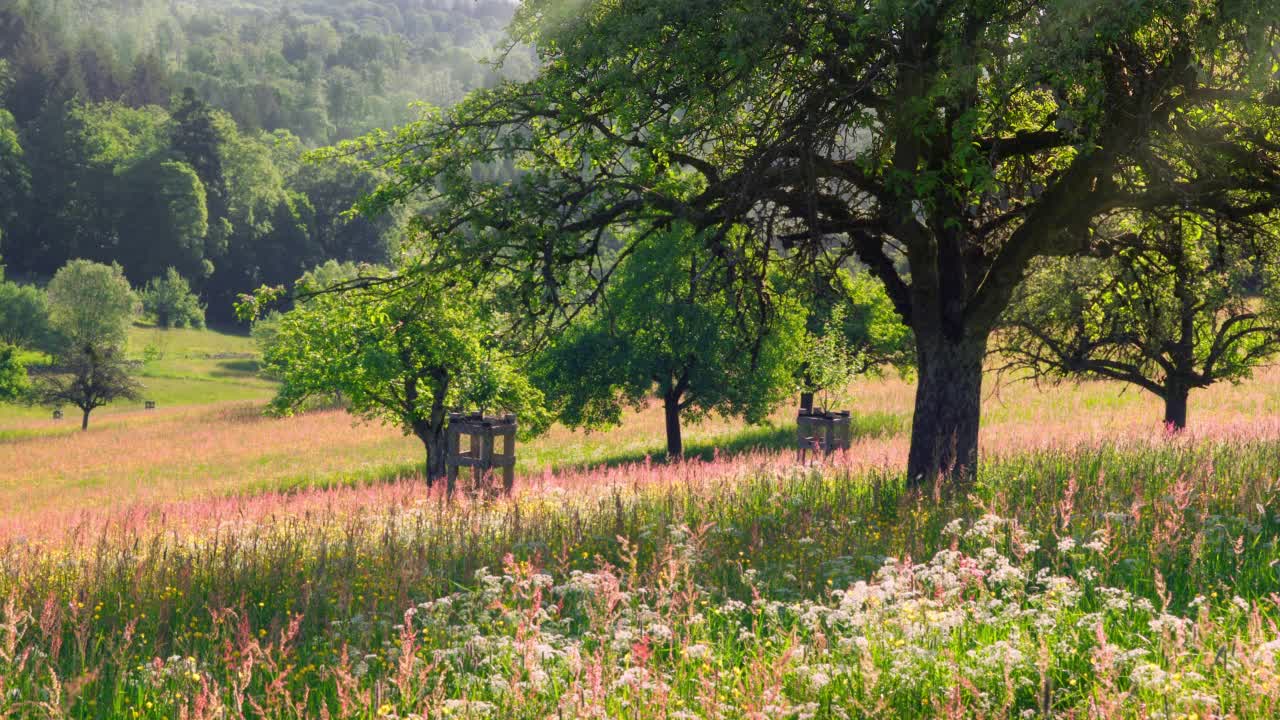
(768,438)
(236,369)
(759,438)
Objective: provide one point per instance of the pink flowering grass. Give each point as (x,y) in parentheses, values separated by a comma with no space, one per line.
(52,523)
(1126,578)
(165,464)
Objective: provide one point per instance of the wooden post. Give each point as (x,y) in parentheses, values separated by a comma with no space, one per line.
(451,467)
(845,437)
(508,451)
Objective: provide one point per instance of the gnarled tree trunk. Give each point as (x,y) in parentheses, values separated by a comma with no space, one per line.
(944,430)
(436,443)
(1175,406)
(675,443)
(433,429)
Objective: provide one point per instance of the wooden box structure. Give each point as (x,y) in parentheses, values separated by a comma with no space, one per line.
(822,432)
(483,444)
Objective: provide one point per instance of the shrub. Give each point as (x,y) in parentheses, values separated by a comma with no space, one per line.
(24,316)
(13,374)
(169,300)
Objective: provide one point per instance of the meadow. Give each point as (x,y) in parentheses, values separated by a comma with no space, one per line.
(210,439)
(235,566)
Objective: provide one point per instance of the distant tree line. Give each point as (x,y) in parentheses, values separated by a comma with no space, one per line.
(324,70)
(158,134)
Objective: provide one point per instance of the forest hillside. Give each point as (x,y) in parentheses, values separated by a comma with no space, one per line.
(106,106)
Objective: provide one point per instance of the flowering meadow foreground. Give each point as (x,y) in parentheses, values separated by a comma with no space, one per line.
(1133,579)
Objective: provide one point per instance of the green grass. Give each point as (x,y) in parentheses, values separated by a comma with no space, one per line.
(197,367)
(602,449)
(179,367)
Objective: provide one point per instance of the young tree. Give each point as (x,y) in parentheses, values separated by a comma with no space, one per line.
(169,300)
(1171,304)
(405,358)
(852,330)
(667,329)
(830,365)
(965,138)
(86,377)
(91,305)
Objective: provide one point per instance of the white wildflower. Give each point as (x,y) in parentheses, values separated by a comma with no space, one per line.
(697,652)
(1098,544)
(660,632)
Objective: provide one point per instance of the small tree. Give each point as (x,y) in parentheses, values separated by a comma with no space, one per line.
(24,316)
(91,304)
(405,358)
(169,300)
(668,329)
(14,382)
(830,364)
(852,330)
(1169,304)
(87,378)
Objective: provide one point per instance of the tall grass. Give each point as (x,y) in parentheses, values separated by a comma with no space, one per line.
(1067,581)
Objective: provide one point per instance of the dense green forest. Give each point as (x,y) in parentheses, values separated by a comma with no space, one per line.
(162,133)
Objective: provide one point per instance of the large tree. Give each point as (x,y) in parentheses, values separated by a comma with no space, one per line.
(164,221)
(86,377)
(666,330)
(945,144)
(197,137)
(1169,304)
